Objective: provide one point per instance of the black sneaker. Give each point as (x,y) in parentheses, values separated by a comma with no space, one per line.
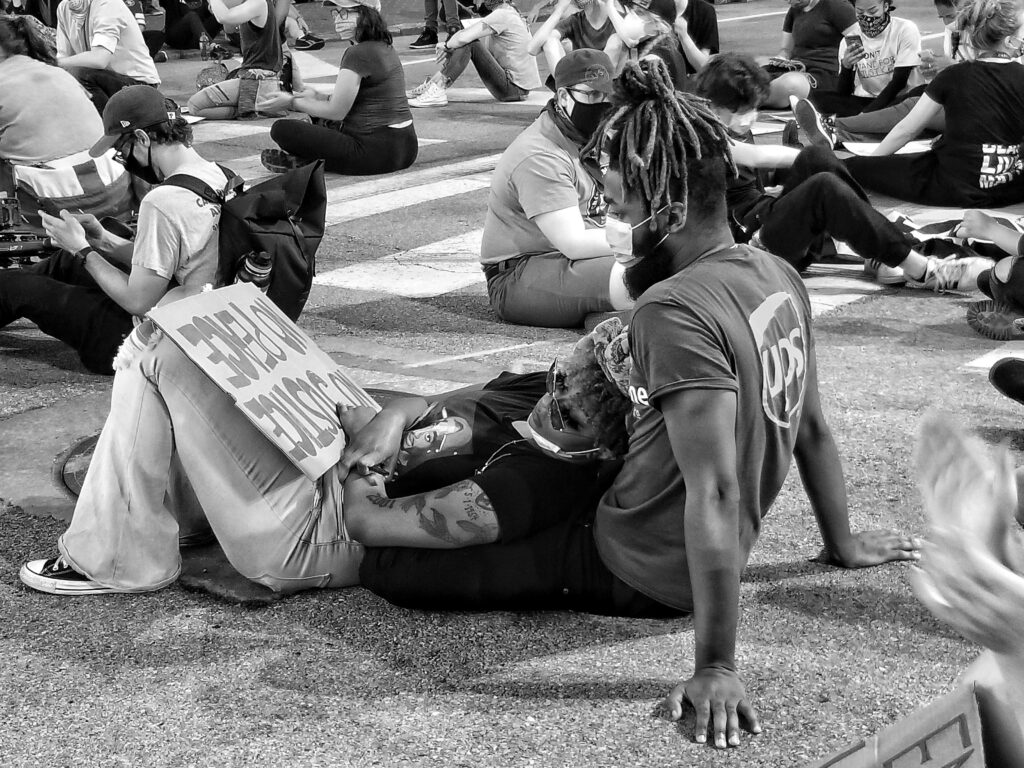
(819,128)
(308,42)
(279,161)
(426,40)
(791,135)
(56,577)
(995,321)
(1007,376)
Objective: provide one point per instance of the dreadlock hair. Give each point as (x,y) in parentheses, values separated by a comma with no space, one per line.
(669,146)
(600,399)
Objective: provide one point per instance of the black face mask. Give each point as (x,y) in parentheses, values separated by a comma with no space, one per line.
(145,172)
(586,117)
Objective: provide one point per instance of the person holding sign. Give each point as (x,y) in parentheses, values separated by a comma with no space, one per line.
(472,474)
(87,295)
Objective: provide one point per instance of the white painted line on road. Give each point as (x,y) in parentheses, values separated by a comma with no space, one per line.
(310,66)
(429,270)
(932,36)
(753,16)
(482,96)
(1014,349)
(398,181)
(471,355)
(349,210)
(417,61)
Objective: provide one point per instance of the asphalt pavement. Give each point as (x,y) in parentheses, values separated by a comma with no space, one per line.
(399,301)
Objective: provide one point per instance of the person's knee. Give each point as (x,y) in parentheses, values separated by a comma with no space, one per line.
(791,84)
(827,189)
(816,156)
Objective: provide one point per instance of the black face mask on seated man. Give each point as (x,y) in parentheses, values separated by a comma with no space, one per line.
(143,171)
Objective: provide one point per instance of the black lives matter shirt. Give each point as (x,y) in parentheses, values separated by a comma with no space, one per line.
(737,320)
(469,435)
(984,105)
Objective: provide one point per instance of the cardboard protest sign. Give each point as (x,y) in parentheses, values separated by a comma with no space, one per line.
(286,385)
(945,734)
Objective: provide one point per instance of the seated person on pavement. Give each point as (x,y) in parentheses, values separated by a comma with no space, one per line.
(877,66)
(573,24)
(38,153)
(816,197)
(262,63)
(364,126)
(497,47)
(544,250)
(87,294)
(100,43)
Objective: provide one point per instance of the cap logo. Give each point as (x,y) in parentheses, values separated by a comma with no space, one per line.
(125,123)
(172,115)
(595,73)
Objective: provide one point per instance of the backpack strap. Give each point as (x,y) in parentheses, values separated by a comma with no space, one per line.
(199,187)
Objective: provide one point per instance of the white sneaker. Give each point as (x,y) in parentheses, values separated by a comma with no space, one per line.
(418,90)
(883,273)
(952,274)
(434,95)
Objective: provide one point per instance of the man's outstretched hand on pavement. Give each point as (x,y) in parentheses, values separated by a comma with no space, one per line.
(720,700)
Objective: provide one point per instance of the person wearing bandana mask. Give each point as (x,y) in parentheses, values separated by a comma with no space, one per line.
(101,44)
(877,66)
(544,252)
(88,294)
(976,163)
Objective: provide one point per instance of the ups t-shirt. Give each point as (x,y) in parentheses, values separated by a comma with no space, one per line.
(737,320)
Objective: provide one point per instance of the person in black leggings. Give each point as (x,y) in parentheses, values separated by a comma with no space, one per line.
(365,126)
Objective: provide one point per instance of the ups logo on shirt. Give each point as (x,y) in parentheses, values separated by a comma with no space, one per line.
(782,346)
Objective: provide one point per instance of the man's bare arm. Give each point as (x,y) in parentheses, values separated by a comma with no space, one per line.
(822,474)
(701,427)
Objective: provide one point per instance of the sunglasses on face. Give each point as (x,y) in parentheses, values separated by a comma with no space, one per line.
(555,383)
(122,149)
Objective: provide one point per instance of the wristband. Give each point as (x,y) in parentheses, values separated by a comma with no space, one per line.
(81,254)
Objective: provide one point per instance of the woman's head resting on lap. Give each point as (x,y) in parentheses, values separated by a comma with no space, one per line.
(583,415)
(18,37)
(359,20)
(991,28)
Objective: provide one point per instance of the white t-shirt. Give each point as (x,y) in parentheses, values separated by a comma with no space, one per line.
(508,45)
(178,230)
(898,46)
(109,24)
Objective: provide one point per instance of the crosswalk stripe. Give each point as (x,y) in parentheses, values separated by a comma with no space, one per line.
(358,208)
(428,270)
(396,181)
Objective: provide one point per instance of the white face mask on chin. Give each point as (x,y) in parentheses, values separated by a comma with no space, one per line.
(346,28)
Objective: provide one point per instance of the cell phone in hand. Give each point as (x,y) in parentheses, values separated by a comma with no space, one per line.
(854,41)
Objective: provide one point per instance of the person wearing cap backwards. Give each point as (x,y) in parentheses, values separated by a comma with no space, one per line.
(100,43)
(87,294)
(544,252)
(498,47)
(499,464)
(260,71)
(365,126)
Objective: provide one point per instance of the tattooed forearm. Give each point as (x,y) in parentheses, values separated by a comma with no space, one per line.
(436,526)
(381,501)
(483,502)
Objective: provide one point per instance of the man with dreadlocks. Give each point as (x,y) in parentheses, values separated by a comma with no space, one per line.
(724,388)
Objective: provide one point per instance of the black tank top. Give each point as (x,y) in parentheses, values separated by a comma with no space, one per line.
(261,46)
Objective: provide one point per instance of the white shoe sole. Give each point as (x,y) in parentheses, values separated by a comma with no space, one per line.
(57,587)
(422,105)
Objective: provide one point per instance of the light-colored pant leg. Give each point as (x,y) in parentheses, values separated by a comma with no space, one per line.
(216,102)
(260,507)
